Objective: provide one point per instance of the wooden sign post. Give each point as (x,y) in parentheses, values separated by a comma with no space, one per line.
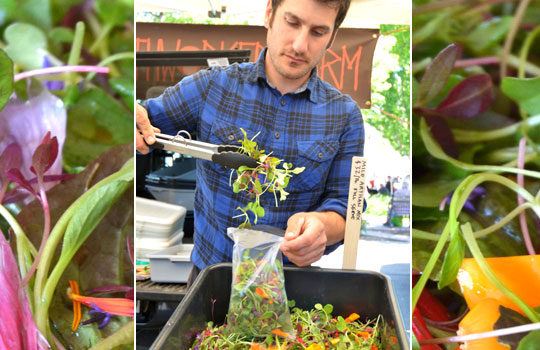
(355,208)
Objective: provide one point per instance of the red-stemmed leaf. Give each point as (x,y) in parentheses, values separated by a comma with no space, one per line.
(16,195)
(53,178)
(469,98)
(15,175)
(437,74)
(44,155)
(110,289)
(442,133)
(11,158)
(19,195)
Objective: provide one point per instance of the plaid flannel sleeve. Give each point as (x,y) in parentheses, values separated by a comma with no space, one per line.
(179,107)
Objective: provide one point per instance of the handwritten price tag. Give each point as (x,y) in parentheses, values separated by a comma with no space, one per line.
(355,208)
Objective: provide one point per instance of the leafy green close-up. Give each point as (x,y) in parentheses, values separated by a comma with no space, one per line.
(70,64)
(476,160)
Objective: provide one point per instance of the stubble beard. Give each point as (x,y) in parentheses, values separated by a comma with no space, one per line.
(283,71)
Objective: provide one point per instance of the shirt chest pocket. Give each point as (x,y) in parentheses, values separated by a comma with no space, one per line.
(316,157)
(225,133)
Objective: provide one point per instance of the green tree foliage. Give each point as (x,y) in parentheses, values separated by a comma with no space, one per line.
(391,87)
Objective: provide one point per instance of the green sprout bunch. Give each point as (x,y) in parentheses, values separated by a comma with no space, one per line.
(316,329)
(266,177)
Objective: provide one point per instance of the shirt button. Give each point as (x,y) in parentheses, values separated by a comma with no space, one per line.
(277,135)
(282,101)
(320,155)
(231,137)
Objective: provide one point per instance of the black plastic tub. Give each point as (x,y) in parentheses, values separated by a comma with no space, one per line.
(364,292)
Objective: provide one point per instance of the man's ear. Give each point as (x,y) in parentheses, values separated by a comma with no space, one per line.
(331,42)
(268,14)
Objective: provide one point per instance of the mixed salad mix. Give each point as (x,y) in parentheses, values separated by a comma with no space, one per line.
(476,165)
(315,329)
(66,174)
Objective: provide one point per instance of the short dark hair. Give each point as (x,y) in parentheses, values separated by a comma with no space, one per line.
(341,5)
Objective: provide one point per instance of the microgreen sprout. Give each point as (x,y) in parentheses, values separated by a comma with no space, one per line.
(316,329)
(266,177)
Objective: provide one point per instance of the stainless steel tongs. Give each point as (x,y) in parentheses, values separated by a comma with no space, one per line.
(226,155)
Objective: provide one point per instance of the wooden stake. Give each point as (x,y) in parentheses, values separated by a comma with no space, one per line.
(355,208)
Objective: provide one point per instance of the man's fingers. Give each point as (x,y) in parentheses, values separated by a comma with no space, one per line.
(294,229)
(144,126)
(142,147)
(305,260)
(297,243)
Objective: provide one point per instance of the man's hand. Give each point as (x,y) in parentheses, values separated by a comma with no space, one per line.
(305,238)
(145,131)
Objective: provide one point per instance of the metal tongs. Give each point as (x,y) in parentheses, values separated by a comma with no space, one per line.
(226,155)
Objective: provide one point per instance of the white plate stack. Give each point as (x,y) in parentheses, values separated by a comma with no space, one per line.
(158,226)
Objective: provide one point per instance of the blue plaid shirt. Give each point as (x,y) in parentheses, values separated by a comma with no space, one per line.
(317,127)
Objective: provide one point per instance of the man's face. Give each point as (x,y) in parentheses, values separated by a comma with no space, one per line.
(298,36)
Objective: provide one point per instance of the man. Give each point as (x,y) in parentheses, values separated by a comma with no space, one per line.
(300,118)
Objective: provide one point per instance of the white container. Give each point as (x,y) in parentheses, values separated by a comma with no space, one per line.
(158,220)
(171,265)
(146,246)
(177,196)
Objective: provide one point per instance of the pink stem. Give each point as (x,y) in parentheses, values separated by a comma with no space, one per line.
(110,289)
(46,229)
(442,205)
(130,252)
(481,61)
(520,200)
(476,336)
(61,69)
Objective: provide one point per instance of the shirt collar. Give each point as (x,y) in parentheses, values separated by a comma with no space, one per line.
(310,86)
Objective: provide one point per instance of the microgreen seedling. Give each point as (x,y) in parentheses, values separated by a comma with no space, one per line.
(315,329)
(266,177)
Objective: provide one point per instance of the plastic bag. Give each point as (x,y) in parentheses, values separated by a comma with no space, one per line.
(258,305)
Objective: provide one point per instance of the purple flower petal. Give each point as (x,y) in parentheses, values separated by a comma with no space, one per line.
(26,122)
(468,206)
(101,316)
(52,84)
(105,321)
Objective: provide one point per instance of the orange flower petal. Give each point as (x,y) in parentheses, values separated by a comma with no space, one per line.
(280,333)
(260,292)
(77,315)
(114,306)
(481,319)
(352,317)
(364,335)
(518,273)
